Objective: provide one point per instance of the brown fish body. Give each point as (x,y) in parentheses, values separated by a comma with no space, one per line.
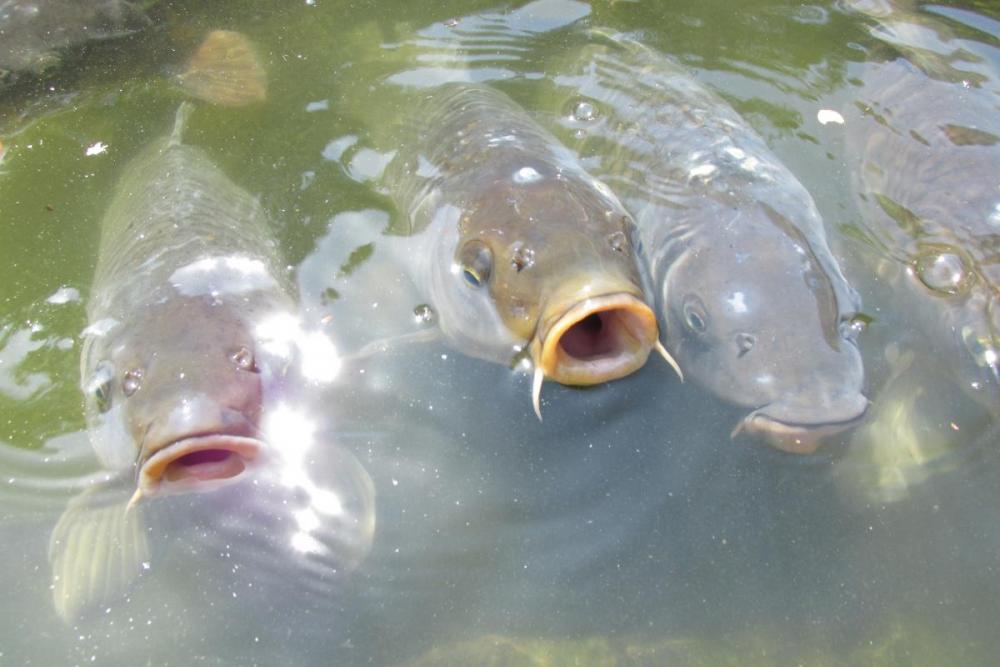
(515,245)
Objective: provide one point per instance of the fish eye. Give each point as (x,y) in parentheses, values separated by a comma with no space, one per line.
(476,262)
(244,360)
(131,381)
(99,386)
(694,314)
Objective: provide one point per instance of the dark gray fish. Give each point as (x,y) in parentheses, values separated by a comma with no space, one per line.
(924,142)
(754,307)
(193,329)
(35,33)
(514,245)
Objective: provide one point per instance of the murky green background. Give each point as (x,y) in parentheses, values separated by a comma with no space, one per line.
(628,527)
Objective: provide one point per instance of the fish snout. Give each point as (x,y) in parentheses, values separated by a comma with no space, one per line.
(596,339)
(800,426)
(196,446)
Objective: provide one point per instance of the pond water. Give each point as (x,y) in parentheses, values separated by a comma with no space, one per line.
(628,527)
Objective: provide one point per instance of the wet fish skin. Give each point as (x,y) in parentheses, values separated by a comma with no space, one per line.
(924,149)
(752,303)
(507,234)
(187,269)
(174,369)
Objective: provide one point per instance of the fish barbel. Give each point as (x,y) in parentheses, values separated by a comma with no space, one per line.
(515,245)
(754,307)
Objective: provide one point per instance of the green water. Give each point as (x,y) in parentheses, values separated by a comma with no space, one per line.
(626,529)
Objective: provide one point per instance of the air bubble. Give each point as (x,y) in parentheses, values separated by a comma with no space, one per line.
(131,382)
(522,257)
(584,112)
(944,272)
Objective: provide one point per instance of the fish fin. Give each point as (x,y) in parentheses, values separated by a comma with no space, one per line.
(96,550)
(225,71)
(180,122)
(422,336)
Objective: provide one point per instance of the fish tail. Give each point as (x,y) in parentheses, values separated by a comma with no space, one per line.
(180,122)
(225,71)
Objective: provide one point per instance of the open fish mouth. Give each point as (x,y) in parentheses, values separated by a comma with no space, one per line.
(196,463)
(598,339)
(796,438)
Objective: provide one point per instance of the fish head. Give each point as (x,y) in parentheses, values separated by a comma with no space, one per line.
(751,314)
(178,391)
(555,256)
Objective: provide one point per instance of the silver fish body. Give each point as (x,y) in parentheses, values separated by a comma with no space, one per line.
(753,305)
(187,272)
(191,365)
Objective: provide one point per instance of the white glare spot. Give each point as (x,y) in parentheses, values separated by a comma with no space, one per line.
(995,215)
(737,302)
(526,175)
(335,148)
(318,105)
(991,356)
(702,171)
(827,116)
(63,295)
(307,544)
(97,149)
(320,360)
(232,274)
(100,327)
(735,153)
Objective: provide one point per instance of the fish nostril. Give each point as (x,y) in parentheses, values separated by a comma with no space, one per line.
(744,343)
(243,358)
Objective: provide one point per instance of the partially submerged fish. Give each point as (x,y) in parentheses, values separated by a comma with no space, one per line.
(34,35)
(754,307)
(224,71)
(515,246)
(174,365)
(925,138)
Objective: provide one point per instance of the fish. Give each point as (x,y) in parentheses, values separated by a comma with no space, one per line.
(923,147)
(519,251)
(753,305)
(179,357)
(35,35)
(224,70)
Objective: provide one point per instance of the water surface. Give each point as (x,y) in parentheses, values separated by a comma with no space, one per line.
(628,518)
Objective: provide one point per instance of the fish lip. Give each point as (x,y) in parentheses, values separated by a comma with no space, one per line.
(634,333)
(154,471)
(796,438)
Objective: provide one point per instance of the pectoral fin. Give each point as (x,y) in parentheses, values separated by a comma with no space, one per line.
(97,549)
